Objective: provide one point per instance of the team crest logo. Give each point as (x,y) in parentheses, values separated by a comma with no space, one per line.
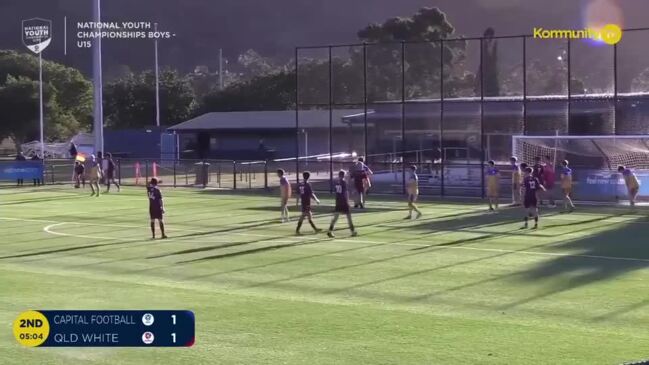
(148,319)
(147,338)
(37,34)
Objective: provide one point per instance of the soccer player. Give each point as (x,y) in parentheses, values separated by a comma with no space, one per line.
(631,181)
(285,194)
(566,186)
(493,180)
(360,174)
(94,173)
(517,179)
(537,172)
(413,192)
(110,173)
(532,185)
(306,194)
(79,177)
(342,205)
(548,179)
(156,207)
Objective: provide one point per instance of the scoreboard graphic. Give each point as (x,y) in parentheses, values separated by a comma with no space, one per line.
(90,328)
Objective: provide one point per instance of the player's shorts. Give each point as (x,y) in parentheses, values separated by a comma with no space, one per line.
(492,191)
(412,197)
(342,208)
(359,185)
(567,189)
(549,185)
(155,213)
(94,174)
(633,190)
(530,202)
(110,175)
(306,209)
(284,200)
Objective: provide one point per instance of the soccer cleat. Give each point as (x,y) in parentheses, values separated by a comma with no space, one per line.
(331,234)
(536,226)
(408,217)
(318,230)
(354,233)
(298,233)
(418,215)
(164,236)
(524,227)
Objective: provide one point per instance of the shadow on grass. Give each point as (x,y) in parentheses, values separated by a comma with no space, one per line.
(601,256)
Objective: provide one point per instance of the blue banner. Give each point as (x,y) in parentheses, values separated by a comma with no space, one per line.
(607,184)
(14,170)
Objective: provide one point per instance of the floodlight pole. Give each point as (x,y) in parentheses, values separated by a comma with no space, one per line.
(40,89)
(157,79)
(98,112)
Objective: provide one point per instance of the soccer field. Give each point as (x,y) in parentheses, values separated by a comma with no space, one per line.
(458,286)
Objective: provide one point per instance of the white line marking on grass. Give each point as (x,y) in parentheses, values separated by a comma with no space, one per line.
(48,229)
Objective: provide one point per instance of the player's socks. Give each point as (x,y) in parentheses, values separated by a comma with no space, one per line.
(314,227)
(330,234)
(536,222)
(354,233)
(162,229)
(152,229)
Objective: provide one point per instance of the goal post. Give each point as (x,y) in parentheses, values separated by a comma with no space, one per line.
(594,160)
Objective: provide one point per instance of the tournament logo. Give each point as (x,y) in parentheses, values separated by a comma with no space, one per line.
(147,319)
(37,34)
(147,338)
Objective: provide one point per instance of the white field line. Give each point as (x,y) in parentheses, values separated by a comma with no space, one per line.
(48,229)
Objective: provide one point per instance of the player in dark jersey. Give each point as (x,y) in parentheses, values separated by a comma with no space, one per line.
(342,205)
(156,207)
(79,175)
(110,173)
(538,172)
(305,196)
(531,185)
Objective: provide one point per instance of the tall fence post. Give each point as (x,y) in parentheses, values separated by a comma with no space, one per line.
(146,171)
(205,174)
(482,151)
(403,117)
(51,172)
(266,174)
(331,101)
(234,175)
(441,115)
(174,173)
(119,171)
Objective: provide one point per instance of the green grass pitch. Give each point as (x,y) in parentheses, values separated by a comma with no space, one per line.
(458,286)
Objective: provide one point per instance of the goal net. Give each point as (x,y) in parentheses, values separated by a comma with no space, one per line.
(590,152)
(594,160)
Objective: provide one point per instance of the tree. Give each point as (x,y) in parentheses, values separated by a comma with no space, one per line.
(129,102)
(640,83)
(67,96)
(422,60)
(270,92)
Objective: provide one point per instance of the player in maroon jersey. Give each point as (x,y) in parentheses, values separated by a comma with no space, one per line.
(156,207)
(531,185)
(305,194)
(342,205)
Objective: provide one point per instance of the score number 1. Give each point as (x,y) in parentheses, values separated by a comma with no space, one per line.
(173,321)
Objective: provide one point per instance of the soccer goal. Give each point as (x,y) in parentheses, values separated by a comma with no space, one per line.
(591,152)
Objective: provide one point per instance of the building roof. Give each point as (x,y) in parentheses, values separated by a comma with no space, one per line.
(283,119)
